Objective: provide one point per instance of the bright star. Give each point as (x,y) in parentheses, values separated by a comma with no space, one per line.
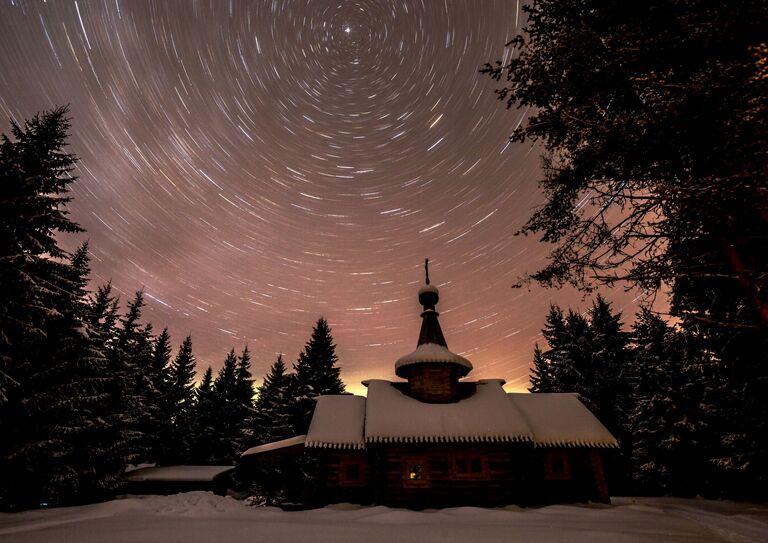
(347,29)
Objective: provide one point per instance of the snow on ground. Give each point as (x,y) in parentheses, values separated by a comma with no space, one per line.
(202,516)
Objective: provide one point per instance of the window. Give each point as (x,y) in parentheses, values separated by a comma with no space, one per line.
(469,466)
(557,466)
(351,471)
(415,472)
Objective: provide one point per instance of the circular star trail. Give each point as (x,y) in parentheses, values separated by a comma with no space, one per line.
(255,165)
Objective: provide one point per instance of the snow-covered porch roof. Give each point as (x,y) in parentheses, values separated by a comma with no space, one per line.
(176,473)
(275,445)
(338,422)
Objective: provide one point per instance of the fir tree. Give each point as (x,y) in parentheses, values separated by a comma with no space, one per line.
(586,356)
(160,378)
(271,419)
(35,175)
(665,421)
(316,374)
(541,373)
(228,423)
(141,399)
(49,362)
(205,422)
(116,439)
(244,400)
(604,383)
(180,402)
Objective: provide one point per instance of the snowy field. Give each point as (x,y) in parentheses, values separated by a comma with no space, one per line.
(201,516)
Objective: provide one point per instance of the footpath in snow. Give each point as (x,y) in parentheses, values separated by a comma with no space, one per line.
(203,517)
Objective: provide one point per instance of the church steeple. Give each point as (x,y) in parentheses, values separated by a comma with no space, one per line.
(433,372)
(430,326)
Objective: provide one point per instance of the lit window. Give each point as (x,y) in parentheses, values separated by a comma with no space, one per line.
(415,472)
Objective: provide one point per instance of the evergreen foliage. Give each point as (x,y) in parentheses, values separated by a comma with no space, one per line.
(271,419)
(656,113)
(229,423)
(653,118)
(205,422)
(664,421)
(541,372)
(662,393)
(244,404)
(180,403)
(51,362)
(316,373)
(160,379)
(143,399)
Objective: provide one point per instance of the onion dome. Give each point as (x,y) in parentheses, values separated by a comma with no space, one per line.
(431,348)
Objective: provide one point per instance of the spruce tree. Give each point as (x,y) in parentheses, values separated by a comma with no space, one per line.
(81,391)
(271,419)
(541,373)
(228,425)
(574,359)
(316,374)
(205,422)
(141,398)
(160,378)
(604,382)
(35,175)
(244,400)
(667,453)
(47,357)
(116,439)
(181,401)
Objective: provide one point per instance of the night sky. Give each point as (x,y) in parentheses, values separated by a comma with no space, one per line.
(255,165)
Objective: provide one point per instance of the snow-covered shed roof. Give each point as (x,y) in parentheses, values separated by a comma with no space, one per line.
(487,415)
(176,473)
(338,422)
(432,352)
(275,445)
(558,419)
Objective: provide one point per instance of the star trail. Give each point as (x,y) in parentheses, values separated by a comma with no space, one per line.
(255,165)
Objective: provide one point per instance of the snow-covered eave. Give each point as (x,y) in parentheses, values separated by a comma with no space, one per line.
(432,353)
(585,444)
(276,445)
(449,439)
(331,445)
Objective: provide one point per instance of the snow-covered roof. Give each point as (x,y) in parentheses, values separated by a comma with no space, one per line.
(428,288)
(275,445)
(487,415)
(432,352)
(338,422)
(176,473)
(557,419)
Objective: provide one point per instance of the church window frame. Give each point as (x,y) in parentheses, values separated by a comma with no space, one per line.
(557,466)
(415,471)
(352,471)
(469,466)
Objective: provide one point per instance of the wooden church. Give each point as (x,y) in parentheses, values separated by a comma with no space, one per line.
(433,439)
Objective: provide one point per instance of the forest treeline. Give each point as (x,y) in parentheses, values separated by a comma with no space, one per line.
(684,424)
(652,120)
(86,390)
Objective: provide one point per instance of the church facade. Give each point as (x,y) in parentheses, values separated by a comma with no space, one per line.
(435,439)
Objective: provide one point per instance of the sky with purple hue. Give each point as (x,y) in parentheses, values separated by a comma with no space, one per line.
(255,165)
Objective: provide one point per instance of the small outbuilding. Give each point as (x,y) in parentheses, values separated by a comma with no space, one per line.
(433,439)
